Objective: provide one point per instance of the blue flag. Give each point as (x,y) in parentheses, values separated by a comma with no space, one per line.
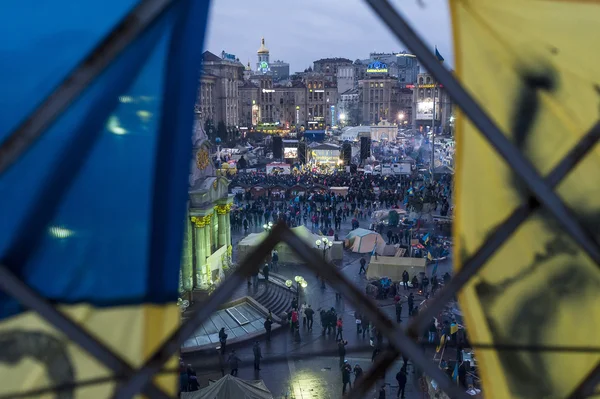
(438,55)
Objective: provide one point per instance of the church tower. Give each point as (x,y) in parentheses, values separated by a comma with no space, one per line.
(262,65)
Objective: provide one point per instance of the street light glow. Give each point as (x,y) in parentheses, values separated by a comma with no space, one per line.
(400,115)
(342,117)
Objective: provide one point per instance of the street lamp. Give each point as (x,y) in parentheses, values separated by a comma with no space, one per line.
(268,227)
(301,284)
(400,115)
(324,245)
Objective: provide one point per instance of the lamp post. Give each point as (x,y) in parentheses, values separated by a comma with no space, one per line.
(268,227)
(324,244)
(301,284)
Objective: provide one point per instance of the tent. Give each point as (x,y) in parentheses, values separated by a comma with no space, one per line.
(286,254)
(363,241)
(230,387)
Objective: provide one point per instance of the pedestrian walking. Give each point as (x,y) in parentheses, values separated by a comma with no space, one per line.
(363,262)
(434,284)
(358,373)
(193,384)
(411,304)
(339,325)
(309,312)
(405,280)
(234,363)
(346,372)
(324,320)
(358,322)
(399,311)
(401,378)
(432,331)
(294,319)
(266,273)
(223,339)
(257,355)
(342,350)
(184,381)
(275,260)
(303,314)
(268,326)
(364,323)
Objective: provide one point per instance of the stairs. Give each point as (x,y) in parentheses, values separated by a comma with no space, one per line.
(275,296)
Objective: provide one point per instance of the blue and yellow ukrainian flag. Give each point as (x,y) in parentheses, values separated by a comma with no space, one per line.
(426,238)
(92,213)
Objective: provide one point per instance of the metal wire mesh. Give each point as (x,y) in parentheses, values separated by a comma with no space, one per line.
(134,381)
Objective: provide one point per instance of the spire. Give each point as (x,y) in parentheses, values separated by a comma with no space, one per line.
(263,48)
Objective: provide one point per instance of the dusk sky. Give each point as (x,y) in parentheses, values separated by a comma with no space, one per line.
(302,31)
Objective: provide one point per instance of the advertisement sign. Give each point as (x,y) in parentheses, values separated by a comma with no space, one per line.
(227,56)
(377,67)
(290,152)
(425,110)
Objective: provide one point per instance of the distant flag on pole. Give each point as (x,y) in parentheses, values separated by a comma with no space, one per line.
(438,55)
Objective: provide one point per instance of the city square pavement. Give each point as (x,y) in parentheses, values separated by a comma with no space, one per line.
(286,368)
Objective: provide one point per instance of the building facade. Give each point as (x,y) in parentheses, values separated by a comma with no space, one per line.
(249,100)
(222,76)
(431,105)
(329,67)
(321,102)
(206,104)
(206,254)
(349,107)
(378,96)
(280,70)
(346,78)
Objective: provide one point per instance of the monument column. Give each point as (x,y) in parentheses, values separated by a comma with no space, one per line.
(222,214)
(202,278)
(207,238)
(187,270)
(228,224)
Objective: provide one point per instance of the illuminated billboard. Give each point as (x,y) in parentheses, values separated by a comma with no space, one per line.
(290,152)
(377,67)
(425,110)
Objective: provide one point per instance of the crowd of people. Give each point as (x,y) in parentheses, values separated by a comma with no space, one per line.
(324,210)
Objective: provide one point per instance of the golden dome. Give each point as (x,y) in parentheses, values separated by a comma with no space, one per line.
(263,49)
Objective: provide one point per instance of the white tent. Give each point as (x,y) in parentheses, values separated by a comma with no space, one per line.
(363,241)
(286,254)
(230,387)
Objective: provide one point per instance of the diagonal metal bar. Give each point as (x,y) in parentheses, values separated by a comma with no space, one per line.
(31,299)
(205,309)
(132,25)
(520,165)
(502,233)
(397,338)
(588,386)
(375,372)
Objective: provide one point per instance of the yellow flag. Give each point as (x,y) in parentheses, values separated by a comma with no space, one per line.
(533,66)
